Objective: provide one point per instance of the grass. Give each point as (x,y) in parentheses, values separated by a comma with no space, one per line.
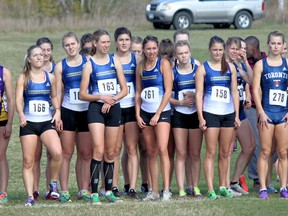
(13,47)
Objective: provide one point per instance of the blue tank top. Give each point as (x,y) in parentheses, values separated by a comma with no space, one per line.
(153,89)
(36,100)
(274,86)
(71,78)
(130,76)
(52,69)
(103,79)
(217,88)
(183,83)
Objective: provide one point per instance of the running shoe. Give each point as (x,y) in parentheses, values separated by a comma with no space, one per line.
(263,194)
(84,195)
(144,188)
(112,198)
(271,189)
(36,195)
(30,201)
(126,189)
(49,197)
(3,198)
(197,192)
(65,197)
(133,194)
(95,199)
(166,196)
(189,190)
(54,190)
(102,192)
(284,193)
(224,192)
(212,195)
(115,191)
(182,194)
(243,183)
(234,193)
(256,184)
(151,196)
(239,189)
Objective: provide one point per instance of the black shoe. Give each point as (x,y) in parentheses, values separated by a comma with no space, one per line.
(144,188)
(132,194)
(116,191)
(126,189)
(256,184)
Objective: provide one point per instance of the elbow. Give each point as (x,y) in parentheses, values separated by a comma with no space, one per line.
(81,95)
(125,91)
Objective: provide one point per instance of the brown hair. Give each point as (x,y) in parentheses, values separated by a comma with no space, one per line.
(224,64)
(96,36)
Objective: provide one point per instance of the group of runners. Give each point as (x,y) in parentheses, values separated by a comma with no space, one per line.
(153,97)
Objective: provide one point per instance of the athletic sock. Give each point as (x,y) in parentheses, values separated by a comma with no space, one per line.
(95,172)
(108,175)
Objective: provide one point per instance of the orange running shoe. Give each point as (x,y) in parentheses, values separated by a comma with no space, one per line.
(243,183)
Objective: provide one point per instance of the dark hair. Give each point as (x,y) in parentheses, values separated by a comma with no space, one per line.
(166,47)
(86,38)
(180,31)
(224,64)
(96,35)
(275,34)
(27,65)
(253,41)
(43,40)
(120,31)
(67,35)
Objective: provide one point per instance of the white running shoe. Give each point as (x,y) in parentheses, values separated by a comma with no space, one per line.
(151,196)
(234,193)
(166,196)
(239,189)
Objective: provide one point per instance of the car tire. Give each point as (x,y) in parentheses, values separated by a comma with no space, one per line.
(161,26)
(222,25)
(243,20)
(182,20)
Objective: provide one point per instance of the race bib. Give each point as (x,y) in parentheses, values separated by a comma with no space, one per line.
(107,86)
(181,93)
(38,107)
(277,97)
(131,90)
(220,94)
(74,96)
(150,94)
(241,91)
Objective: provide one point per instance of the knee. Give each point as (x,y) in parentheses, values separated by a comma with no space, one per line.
(109,156)
(181,156)
(282,155)
(131,152)
(117,151)
(86,156)
(265,154)
(28,163)
(224,155)
(152,153)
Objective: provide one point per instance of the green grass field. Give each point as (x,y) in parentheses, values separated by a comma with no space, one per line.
(13,47)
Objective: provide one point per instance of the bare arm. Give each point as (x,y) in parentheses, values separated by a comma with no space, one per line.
(121,80)
(55,100)
(59,82)
(199,79)
(235,94)
(19,99)
(10,102)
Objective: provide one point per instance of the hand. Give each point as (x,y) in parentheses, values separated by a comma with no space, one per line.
(108,99)
(23,121)
(202,124)
(7,131)
(154,120)
(59,126)
(237,123)
(187,102)
(247,104)
(105,108)
(263,121)
(56,117)
(140,122)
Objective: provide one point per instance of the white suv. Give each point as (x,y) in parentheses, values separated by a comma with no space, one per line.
(221,13)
